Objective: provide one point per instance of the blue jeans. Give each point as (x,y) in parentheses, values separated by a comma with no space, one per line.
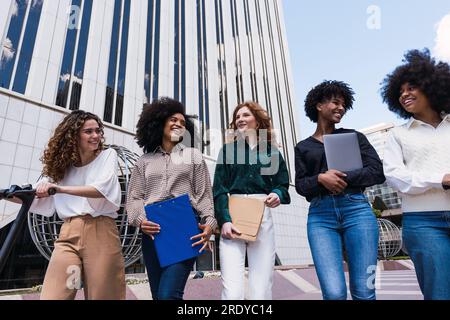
(345,221)
(427,239)
(165,283)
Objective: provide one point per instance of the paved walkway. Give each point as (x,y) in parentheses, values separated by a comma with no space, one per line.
(395,281)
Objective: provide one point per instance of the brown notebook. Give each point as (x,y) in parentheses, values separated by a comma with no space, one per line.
(246,214)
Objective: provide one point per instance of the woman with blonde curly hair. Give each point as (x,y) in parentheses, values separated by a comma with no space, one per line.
(249,166)
(87,197)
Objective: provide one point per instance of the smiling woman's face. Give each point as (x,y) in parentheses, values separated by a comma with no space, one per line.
(245,120)
(332,110)
(174,128)
(413,100)
(90,136)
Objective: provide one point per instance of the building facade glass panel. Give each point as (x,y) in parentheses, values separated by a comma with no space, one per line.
(10,46)
(77,77)
(122,64)
(26,51)
(68,56)
(149,52)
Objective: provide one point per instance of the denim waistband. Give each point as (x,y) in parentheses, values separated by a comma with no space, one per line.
(345,192)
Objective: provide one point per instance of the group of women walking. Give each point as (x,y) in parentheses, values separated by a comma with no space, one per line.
(416,162)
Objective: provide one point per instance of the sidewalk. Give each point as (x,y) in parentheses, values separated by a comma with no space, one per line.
(396,280)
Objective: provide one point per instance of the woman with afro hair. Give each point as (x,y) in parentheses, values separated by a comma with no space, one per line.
(417,164)
(340,215)
(168,169)
(88,195)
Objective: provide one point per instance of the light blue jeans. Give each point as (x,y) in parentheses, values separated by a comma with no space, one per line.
(427,239)
(337,222)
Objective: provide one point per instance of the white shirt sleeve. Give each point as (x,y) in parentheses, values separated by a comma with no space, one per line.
(103,177)
(399,177)
(43,206)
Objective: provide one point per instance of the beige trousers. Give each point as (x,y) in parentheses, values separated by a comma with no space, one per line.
(87,252)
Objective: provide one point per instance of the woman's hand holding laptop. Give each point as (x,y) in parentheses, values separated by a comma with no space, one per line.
(333,180)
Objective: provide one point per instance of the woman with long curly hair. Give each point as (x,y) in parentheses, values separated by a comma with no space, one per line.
(170,167)
(249,166)
(417,163)
(87,198)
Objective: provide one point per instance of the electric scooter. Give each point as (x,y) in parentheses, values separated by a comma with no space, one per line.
(26,194)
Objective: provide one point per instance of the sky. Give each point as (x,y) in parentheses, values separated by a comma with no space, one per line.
(360,42)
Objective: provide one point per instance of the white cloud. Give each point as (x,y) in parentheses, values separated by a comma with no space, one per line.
(7,52)
(15,9)
(65,77)
(37,3)
(442,46)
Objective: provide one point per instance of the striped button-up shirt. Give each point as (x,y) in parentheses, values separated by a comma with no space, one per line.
(160,175)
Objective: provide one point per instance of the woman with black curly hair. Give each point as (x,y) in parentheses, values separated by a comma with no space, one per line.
(87,197)
(417,163)
(340,215)
(168,169)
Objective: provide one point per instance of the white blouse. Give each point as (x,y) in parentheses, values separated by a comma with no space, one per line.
(416,159)
(101,174)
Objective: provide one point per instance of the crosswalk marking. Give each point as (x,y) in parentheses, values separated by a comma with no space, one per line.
(298,281)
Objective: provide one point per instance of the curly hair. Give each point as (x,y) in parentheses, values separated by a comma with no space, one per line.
(261,116)
(422,71)
(150,127)
(62,149)
(326,91)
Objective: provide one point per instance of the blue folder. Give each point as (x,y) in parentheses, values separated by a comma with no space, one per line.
(178,224)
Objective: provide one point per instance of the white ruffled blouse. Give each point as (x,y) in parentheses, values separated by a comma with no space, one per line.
(101,174)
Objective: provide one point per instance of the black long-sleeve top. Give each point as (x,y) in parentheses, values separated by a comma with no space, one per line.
(310,161)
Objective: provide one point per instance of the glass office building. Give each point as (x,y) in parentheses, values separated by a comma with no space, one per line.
(111,56)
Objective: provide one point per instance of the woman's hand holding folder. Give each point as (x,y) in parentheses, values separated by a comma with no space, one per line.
(229,231)
(150,228)
(204,237)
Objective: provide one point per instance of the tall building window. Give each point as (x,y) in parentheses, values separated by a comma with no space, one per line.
(149,52)
(112,66)
(117,63)
(237,49)
(72,66)
(155,88)
(262,45)
(203,93)
(180,51)
(26,52)
(223,93)
(251,51)
(77,83)
(285,74)
(18,45)
(122,64)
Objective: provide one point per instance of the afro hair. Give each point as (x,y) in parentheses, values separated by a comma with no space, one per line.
(326,91)
(150,127)
(422,71)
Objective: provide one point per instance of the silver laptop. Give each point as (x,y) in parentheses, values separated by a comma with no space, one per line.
(342,151)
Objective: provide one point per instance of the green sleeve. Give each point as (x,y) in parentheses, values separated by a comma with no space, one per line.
(281,181)
(221,190)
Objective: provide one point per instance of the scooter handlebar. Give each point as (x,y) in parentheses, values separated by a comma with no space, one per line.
(15,190)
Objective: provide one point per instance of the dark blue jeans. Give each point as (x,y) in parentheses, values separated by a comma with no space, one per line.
(346,221)
(165,283)
(427,239)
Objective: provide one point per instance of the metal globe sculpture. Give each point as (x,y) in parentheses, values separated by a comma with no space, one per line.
(44,230)
(390,242)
